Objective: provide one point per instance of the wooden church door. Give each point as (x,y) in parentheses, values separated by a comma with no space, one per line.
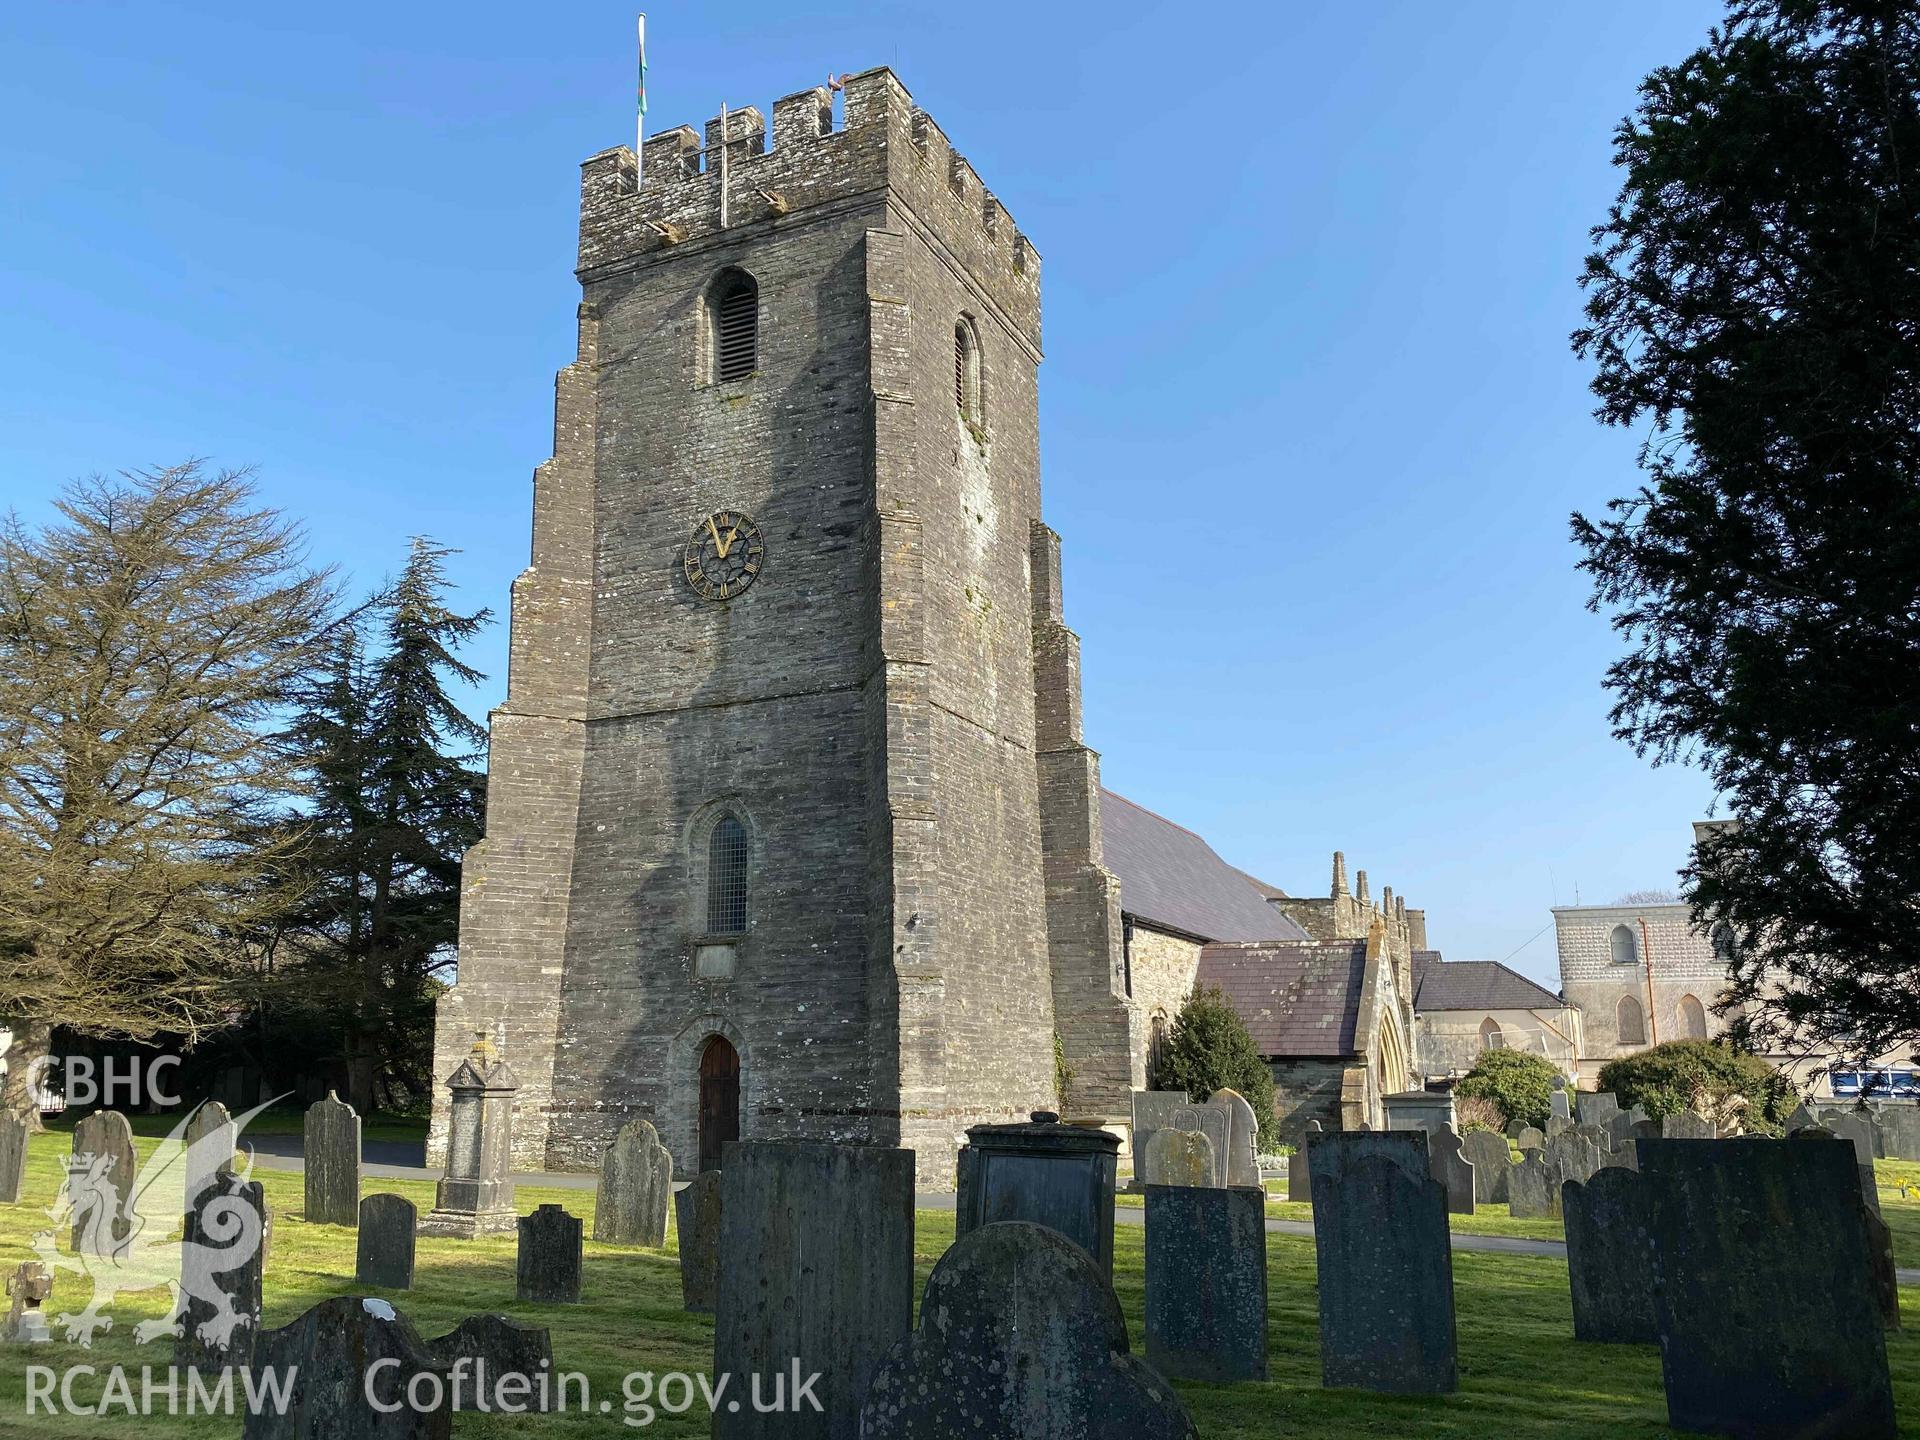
(719,1099)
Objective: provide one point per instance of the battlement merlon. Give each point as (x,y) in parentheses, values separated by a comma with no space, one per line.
(885,143)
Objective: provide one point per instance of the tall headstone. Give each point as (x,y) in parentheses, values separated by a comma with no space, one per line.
(548,1267)
(1152,1110)
(384,1256)
(1856,1128)
(636,1187)
(1213,1122)
(1020,1335)
(1900,1129)
(211,1141)
(1572,1157)
(1046,1172)
(1610,1258)
(1242,1166)
(1449,1165)
(696,1218)
(1487,1152)
(818,1241)
(332,1159)
(103,1167)
(1385,1273)
(1177,1157)
(495,1347)
(13,1158)
(1299,1172)
(1533,1188)
(1763,1292)
(222,1265)
(1620,1132)
(332,1358)
(1207,1283)
(1331,1154)
(1595,1107)
(475,1196)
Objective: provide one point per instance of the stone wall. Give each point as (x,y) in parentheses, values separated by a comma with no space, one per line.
(1684,964)
(1163,967)
(1450,1040)
(1307,1090)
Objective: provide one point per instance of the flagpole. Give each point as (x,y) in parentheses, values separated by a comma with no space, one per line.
(640,110)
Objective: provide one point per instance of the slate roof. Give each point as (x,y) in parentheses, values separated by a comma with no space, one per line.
(1170,877)
(1298,1000)
(1475,985)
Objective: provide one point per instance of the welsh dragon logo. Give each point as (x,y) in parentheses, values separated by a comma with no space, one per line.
(126,1235)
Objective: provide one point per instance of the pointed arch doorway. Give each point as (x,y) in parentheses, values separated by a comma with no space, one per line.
(719,1099)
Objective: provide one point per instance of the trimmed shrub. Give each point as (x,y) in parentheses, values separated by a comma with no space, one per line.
(1709,1076)
(1208,1048)
(1517,1081)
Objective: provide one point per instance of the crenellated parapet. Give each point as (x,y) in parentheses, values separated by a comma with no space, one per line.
(883,145)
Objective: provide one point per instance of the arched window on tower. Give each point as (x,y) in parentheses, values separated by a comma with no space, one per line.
(734,323)
(727,877)
(1156,1046)
(1629,1022)
(1693,1018)
(1723,949)
(1490,1036)
(966,370)
(1626,949)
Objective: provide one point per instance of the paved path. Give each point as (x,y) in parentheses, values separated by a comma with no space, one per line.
(399,1160)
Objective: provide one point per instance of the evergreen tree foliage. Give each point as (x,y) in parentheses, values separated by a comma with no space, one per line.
(1750,311)
(149,637)
(1708,1076)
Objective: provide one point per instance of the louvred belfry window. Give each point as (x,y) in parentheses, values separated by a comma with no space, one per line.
(736,328)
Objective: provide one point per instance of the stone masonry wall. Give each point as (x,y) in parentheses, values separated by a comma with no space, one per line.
(1683,964)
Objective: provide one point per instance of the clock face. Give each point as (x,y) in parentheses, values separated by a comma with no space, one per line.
(724,555)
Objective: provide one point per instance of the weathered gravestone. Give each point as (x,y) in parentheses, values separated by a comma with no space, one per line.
(1242,1161)
(1899,1130)
(818,1241)
(384,1257)
(1763,1293)
(1178,1157)
(1487,1152)
(221,1269)
(1046,1172)
(696,1219)
(1515,1128)
(548,1270)
(1886,1278)
(1683,1125)
(1533,1188)
(503,1361)
(1531,1137)
(100,1178)
(1331,1154)
(1385,1267)
(332,1158)
(1558,1125)
(1595,1107)
(1299,1172)
(1561,1105)
(636,1186)
(331,1358)
(1020,1335)
(1152,1110)
(29,1288)
(1207,1283)
(1610,1258)
(1572,1156)
(13,1158)
(1620,1131)
(1419,1109)
(475,1195)
(211,1141)
(1450,1166)
(1213,1122)
(1857,1130)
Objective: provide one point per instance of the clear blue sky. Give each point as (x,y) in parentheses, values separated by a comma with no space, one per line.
(1309,272)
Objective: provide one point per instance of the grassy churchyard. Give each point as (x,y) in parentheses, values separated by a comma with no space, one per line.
(1521,1374)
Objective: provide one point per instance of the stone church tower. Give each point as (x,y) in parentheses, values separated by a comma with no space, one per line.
(791,830)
